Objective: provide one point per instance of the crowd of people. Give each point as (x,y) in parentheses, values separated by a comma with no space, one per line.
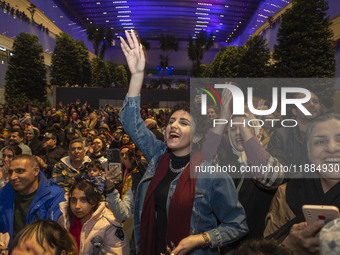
(16,13)
(61,194)
(21,15)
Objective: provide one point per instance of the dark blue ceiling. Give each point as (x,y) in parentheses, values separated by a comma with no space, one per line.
(226,19)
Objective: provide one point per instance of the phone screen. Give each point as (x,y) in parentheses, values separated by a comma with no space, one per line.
(113,155)
(113,158)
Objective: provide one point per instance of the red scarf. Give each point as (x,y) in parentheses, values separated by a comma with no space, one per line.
(180,209)
(75,229)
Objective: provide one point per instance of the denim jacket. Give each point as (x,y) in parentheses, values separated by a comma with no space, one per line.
(216,209)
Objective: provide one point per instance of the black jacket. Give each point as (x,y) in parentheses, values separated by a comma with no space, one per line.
(51,157)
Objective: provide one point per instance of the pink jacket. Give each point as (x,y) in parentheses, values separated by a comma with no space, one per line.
(101,229)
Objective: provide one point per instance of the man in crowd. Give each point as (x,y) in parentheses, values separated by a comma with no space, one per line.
(152,125)
(104,130)
(71,166)
(17,138)
(51,154)
(91,133)
(117,136)
(27,197)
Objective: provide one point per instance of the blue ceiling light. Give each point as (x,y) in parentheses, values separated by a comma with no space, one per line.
(152,18)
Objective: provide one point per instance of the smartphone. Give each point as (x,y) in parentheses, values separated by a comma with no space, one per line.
(314,213)
(113,158)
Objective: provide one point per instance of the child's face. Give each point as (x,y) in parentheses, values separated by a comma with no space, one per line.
(44,248)
(80,207)
(94,172)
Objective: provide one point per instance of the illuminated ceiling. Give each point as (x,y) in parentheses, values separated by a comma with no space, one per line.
(226,19)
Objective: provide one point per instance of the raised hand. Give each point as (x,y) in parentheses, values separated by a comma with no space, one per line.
(226,109)
(246,131)
(134,53)
(260,104)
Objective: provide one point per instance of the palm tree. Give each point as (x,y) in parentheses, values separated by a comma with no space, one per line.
(196,49)
(168,44)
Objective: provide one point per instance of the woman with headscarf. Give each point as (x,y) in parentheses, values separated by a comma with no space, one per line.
(8,153)
(241,148)
(32,140)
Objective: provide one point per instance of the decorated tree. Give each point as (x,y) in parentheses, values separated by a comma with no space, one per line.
(84,73)
(226,63)
(101,77)
(305,45)
(65,65)
(255,61)
(121,79)
(26,73)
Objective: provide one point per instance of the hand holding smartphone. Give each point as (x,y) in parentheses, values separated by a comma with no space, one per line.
(314,213)
(114,170)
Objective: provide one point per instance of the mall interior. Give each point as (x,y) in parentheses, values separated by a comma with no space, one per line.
(231,24)
(94,108)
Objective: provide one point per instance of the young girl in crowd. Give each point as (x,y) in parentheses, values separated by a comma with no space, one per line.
(91,223)
(203,213)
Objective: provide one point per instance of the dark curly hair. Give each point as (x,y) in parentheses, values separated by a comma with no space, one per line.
(195,112)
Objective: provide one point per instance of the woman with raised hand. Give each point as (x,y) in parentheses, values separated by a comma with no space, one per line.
(174,212)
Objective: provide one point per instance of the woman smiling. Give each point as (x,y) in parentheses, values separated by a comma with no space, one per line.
(174,212)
